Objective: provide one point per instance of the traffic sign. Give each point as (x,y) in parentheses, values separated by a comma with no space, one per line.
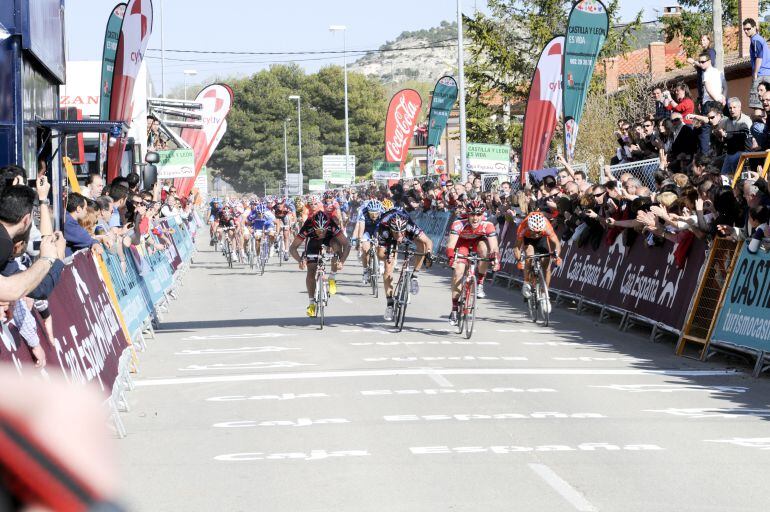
(335,171)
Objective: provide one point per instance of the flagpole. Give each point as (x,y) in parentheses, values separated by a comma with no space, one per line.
(461,87)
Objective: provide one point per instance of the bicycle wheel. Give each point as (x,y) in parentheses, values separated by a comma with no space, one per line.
(543,302)
(469,310)
(263,255)
(252,253)
(404,299)
(374,274)
(460,315)
(397,306)
(532,303)
(229,252)
(281,250)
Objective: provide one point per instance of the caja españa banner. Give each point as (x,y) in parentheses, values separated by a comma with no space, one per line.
(586,31)
(444,98)
(543,107)
(216,100)
(399,125)
(134,36)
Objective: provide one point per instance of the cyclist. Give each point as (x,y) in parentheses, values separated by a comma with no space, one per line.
(319,231)
(262,222)
(215,206)
(394,228)
(285,220)
(536,235)
(226,224)
(365,231)
(471,234)
(332,208)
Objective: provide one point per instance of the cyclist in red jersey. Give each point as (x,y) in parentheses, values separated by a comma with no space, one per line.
(285,218)
(476,235)
(536,235)
(332,208)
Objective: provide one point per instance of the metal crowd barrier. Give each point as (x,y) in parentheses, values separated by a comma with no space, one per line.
(643,170)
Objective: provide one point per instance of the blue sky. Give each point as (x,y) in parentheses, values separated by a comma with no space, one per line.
(261,25)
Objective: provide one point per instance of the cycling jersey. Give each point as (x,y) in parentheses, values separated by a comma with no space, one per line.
(308,233)
(384,235)
(370,226)
(264,223)
(281,211)
(464,230)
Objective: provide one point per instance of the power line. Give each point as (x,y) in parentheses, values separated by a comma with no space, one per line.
(437,44)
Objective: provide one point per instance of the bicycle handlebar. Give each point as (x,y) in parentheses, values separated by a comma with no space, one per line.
(474,258)
(540,256)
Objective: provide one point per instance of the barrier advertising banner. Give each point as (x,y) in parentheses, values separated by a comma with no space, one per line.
(744,319)
(109,53)
(88,335)
(402,116)
(586,31)
(640,279)
(216,100)
(444,98)
(176,163)
(543,108)
(134,35)
(435,225)
(488,158)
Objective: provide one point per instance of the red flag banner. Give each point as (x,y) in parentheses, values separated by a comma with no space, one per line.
(134,36)
(399,125)
(216,100)
(543,107)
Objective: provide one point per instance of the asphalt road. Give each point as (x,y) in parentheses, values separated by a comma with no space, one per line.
(242,404)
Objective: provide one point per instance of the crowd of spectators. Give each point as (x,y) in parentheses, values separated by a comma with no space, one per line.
(98,218)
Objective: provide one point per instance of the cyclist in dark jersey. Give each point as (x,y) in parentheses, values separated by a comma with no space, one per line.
(319,231)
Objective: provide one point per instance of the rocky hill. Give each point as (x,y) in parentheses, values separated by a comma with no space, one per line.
(398,62)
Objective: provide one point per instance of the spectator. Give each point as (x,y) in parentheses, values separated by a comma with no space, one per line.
(705,42)
(760,61)
(94,186)
(132,180)
(714,83)
(119,195)
(681,102)
(104,209)
(735,132)
(661,112)
(77,238)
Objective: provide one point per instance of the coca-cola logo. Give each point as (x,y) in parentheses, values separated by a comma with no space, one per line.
(402,116)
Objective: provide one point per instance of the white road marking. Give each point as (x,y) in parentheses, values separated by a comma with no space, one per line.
(255,365)
(411,359)
(438,379)
(564,489)
(238,350)
(237,336)
(701,413)
(313,455)
(397,372)
(465,391)
(762,443)
(535,331)
(672,388)
(345,299)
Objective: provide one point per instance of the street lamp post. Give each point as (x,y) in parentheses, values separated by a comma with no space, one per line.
(343,29)
(299,131)
(188,72)
(461,87)
(286,157)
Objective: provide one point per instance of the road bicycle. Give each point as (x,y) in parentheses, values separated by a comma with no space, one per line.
(321,284)
(539,303)
(281,247)
(374,270)
(264,252)
(251,253)
(466,306)
(402,291)
(228,248)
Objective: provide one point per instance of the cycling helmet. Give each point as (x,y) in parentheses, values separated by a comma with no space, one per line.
(475,207)
(387,204)
(297,201)
(398,223)
(328,195)
(260,209)
(536,222)
(320,221)
(314,199)
(376,205)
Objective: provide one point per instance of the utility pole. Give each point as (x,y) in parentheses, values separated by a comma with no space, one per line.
(162,54)
(716,22)
(461,87)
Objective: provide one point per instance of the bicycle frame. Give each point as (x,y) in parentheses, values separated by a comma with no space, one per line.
(539,290)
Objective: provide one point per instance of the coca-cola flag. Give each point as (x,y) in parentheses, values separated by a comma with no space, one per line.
(216,100)
(399,125)
(134,36)
(543,107)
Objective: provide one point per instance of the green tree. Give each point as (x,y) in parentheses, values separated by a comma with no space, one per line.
(251,154)
(504,48)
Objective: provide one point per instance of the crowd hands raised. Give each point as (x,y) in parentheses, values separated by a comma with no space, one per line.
(100,218)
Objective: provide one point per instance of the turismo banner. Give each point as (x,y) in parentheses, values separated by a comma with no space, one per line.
(399,125)
(134,35)
(488,158)
(640,279)
(543,107)
(175,163)
(216,100)
(444,98)
(586,31)
(744,318)
(109,53)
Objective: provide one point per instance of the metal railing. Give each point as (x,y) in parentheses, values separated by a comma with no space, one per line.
(643,170)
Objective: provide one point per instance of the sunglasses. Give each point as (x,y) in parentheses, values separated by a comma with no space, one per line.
(746,29)
(648,125)
(600,194)
(703,61)
(712,117)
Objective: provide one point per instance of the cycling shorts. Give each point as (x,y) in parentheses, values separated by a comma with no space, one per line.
(539,244)
(465,246)
(313,247)
(367,237)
